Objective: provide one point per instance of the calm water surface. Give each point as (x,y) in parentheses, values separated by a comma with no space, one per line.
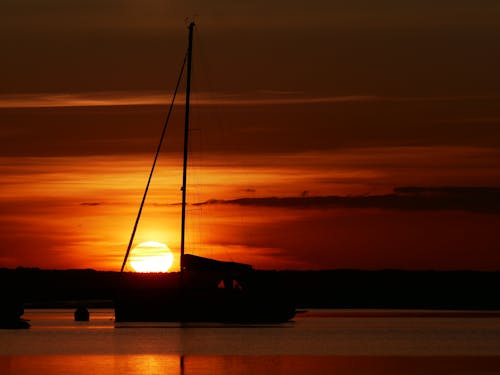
(318,342)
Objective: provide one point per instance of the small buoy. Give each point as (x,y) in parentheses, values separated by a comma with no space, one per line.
(82,314)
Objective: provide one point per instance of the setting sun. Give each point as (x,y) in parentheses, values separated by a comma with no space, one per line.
(151,256)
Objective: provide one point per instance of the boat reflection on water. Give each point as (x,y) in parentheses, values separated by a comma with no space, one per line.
(348,342)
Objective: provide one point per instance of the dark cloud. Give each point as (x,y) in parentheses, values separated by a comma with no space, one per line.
(90,204)
(472,199)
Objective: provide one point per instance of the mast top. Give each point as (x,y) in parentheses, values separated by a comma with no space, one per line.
(190,22)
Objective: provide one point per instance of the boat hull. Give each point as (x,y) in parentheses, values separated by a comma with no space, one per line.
(10,313)
(202,305)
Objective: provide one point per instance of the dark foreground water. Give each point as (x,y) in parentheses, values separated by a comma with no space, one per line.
(318,342)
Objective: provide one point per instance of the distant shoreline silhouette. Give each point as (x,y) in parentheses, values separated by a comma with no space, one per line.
(353,289)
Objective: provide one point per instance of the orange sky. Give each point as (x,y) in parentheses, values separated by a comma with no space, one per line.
(342,101)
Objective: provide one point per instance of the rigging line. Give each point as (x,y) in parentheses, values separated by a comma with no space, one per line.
(154,164)
(207,72)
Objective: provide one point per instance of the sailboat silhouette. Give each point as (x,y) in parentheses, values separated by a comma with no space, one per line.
(206,290)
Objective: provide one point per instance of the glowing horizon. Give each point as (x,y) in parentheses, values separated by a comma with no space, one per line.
(92,201)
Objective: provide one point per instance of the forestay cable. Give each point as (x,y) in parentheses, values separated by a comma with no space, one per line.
(153,167)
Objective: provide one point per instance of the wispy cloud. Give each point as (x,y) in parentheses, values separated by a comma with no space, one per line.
(115,98)
(96,99)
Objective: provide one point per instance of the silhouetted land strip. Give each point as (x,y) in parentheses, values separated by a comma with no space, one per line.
(351,289)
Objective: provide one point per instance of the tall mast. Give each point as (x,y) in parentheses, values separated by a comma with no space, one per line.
(186,144)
